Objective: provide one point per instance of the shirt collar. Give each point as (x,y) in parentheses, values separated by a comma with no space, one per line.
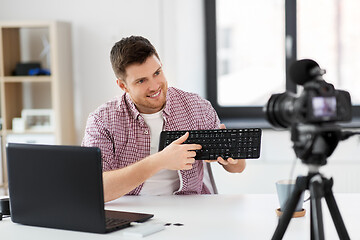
(133,110)
(167,108)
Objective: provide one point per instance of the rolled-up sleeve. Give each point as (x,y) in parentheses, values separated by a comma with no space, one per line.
(97,135)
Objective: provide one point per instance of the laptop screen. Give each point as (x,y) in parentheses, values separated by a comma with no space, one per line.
(56,186)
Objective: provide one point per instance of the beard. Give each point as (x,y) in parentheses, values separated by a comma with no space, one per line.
(149,105)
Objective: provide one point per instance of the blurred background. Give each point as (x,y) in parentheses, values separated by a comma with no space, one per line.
(251,48)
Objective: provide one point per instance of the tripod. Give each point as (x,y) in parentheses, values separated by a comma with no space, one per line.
(313,145)
(319,187)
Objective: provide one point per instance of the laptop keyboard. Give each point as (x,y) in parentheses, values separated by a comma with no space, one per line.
(114,222)
(234,143)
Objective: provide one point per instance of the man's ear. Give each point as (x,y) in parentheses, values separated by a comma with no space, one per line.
(121,83)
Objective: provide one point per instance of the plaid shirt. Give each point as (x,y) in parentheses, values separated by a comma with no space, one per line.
(121,133)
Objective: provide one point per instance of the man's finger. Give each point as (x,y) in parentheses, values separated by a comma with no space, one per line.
(190,161)
(232,161)
(222,161)
(182,139)
(190,147)
(188,166)
(191,154)
(222,126)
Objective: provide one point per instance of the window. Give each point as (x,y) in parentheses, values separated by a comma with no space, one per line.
(329,33)
(250,45)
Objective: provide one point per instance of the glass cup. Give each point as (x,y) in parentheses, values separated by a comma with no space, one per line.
(284,190)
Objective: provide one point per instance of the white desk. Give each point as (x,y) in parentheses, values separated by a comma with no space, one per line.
(207,217)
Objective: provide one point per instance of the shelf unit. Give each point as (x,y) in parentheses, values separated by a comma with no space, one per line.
(22,42)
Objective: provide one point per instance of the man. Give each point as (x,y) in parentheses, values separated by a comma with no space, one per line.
(127,129)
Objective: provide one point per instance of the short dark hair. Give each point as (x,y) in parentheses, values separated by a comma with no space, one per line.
(129,50)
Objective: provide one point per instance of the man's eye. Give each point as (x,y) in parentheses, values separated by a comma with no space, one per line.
(141,81)
(157,73)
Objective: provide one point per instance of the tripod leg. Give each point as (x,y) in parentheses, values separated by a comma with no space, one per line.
(290,207)
(316,193)
(334,210)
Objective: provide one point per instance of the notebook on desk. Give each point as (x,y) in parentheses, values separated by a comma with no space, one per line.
(61,187)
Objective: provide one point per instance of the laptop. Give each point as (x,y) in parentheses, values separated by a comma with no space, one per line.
(61,187)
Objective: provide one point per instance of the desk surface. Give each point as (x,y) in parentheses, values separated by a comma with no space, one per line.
(207,217)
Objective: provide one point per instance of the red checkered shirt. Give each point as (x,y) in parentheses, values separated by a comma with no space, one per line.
(121,133)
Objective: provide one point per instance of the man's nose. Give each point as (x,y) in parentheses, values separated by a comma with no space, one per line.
(153,85)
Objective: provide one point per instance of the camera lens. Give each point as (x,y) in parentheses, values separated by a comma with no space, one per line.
(279,109)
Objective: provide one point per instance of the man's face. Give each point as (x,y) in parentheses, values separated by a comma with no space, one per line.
(146,85)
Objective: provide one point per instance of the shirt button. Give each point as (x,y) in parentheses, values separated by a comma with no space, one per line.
(146,131)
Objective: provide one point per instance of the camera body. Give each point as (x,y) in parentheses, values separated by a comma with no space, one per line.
(312,115)
(325,103)
(319,102)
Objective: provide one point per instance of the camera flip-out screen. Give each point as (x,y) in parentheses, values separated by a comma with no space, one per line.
(324,106)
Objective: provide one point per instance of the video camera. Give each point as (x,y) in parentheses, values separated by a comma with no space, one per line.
(312,117)
(319,102)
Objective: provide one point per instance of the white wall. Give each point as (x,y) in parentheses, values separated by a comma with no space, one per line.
(176,28)
(172,26)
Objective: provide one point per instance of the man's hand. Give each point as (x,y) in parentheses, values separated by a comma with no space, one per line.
(178,156)
(230,164)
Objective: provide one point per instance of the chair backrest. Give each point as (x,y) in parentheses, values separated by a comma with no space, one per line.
(211,176)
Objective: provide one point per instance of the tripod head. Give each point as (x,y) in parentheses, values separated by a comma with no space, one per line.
(313,144)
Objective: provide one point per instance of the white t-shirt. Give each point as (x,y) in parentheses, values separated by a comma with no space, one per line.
(165,182)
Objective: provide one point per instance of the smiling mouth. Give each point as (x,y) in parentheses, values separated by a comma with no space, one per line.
(155,94)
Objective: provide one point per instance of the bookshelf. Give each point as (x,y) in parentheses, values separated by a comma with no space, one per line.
(51,96)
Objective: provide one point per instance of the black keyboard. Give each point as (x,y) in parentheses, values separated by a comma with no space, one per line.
(234,143)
